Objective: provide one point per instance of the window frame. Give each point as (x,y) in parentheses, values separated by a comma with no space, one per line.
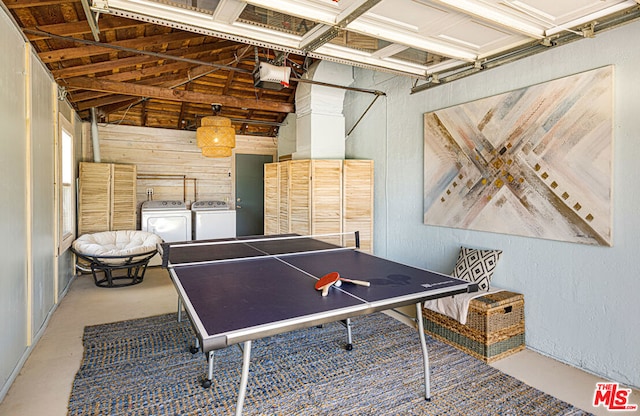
(66,164)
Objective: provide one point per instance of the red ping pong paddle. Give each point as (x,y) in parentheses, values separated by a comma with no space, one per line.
(326,281)
(332,278)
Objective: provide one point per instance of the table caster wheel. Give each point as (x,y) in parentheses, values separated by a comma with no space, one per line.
(349,347)
(193,349)
(206,383)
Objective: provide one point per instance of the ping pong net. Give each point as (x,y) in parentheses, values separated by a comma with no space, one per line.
(233,249)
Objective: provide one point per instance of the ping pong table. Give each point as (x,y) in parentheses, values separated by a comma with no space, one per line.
(235,291)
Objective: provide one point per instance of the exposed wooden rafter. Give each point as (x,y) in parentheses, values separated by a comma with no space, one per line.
(128,88)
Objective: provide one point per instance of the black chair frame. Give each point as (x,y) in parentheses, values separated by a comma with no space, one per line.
(128,268)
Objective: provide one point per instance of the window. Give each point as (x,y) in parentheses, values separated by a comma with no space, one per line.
(66,181)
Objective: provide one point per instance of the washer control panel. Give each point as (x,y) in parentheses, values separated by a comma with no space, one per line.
(209,205)
(163,205)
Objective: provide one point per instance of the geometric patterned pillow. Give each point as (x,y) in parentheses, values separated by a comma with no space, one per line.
(476,266)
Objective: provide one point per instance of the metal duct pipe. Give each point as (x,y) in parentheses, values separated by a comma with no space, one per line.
(94,136)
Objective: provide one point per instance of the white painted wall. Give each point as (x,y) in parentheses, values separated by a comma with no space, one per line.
(581,302)
(287,136)
(13,203)
(28,289)
(44,241)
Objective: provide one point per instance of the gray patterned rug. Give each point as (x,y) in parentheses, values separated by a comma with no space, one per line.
(144,367)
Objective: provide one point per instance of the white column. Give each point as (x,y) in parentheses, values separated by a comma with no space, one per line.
(320,126)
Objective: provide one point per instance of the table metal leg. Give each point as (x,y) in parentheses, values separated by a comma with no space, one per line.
(179,309)
(206,383)
(246,358)
(347,324)
(425,353)
(196,346)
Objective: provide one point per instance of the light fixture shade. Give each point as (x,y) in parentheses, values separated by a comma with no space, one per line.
(217,151)
(216,137)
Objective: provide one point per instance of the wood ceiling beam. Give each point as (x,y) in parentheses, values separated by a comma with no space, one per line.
(92,50)
(117,106)
(174,79)
(235,63)
(245,126)
(106,100)
(177,73)
(99,67)
(227,84)
(119,64)
(128,88)
(143,114)
(78,97)
(183,112)
(21,4)
(159,75)
(182,124)
(171,80)
(107,22)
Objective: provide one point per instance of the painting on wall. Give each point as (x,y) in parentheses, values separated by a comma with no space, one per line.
(533,162)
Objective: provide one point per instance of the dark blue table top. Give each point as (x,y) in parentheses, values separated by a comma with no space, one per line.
(268,293)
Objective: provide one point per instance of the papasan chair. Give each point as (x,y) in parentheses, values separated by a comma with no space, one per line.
(122,256)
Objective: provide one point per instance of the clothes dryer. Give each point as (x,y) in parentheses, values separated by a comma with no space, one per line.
(171,220)
(213,219)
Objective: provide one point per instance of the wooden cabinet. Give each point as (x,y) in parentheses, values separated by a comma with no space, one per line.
(312,197)
(357,176)
(271,198)
(106,197)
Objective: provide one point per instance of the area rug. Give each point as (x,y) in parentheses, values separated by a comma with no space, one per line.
(144,367)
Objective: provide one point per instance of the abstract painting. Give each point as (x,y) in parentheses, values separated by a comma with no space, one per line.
(533,162)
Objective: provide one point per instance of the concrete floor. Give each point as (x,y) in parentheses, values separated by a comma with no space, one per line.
(44,383)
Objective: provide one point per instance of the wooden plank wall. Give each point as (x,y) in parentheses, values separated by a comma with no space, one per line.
(169,156)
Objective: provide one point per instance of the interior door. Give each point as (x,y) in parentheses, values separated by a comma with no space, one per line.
(250,193)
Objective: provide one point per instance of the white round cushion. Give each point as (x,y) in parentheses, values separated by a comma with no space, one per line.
(116,243)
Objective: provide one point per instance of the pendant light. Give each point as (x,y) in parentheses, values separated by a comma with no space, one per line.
(216,137)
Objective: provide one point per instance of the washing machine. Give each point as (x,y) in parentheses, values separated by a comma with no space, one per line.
(171,220)
(213,219)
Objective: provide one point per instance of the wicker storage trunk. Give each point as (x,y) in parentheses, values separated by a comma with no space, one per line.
(494,328)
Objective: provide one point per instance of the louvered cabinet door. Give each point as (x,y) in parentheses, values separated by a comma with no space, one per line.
(284,214)
(299,204)
(271,198)
(320,196)
(326,199)
(94,197)
(358,201)
(106,197)
(123,197)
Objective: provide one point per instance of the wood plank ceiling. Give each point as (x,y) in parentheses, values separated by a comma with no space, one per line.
(144,74)
(163,63)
